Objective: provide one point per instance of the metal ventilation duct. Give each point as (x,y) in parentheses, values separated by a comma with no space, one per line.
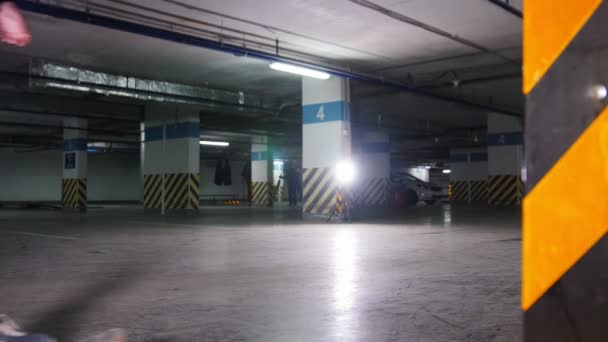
(50,75)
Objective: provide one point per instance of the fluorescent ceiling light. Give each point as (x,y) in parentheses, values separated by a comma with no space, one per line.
(447,171)
(428,167)
(299,70)
(215,143)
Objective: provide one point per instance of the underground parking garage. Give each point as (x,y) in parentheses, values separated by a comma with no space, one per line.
(179,170)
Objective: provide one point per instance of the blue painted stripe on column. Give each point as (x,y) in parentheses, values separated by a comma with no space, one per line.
(324,112)
(459,158)
(260,155)
(78,144)
(178,130)
(506,138)
(478,157)
(377,147)
(464,157)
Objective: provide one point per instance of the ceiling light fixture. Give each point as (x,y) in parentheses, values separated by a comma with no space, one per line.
(294,69)
(215,143)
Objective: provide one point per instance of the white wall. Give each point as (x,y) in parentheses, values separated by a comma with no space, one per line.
(114,177)
(237,189)
(465,170)
(31,176)
(504,159)
(36,176)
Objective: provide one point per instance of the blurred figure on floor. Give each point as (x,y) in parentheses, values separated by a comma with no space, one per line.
(11,332)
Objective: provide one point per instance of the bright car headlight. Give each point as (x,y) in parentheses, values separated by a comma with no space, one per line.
(345,171)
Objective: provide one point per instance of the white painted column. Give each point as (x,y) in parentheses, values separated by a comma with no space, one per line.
(172,149)
(74,180)
(505,155)
(326,139)
(469,175)
(374,168)
(260,171)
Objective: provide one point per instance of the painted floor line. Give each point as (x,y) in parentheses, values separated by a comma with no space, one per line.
(60,237)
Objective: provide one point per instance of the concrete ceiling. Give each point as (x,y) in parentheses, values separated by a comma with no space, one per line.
(348,35)
(339,33)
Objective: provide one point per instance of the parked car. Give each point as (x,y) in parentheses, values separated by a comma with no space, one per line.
(407,190)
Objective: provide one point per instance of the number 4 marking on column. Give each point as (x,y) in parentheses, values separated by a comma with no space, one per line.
(321,113)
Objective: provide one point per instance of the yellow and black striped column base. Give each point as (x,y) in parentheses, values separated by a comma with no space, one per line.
(372,192)
(565,210)
(458,191)
(74,193)
(320,190)
(260,193)
(504,190)
(181,191)
(471,191)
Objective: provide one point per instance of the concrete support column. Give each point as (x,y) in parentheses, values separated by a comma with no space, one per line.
(171,157)
(505,155)
(261,174)
(469,176)
(374,170)
(74,180)
(326,140)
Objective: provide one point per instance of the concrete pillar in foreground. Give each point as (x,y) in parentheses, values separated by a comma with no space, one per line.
(261,174)
(171,157)
(469,176)
(326,140)
(374,170)
(74,180)
(505,155)
(565,215)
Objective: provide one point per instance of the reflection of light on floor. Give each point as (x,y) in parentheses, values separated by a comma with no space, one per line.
(344,286)
(447,216)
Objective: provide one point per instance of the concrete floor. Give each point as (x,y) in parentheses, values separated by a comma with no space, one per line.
(242,274)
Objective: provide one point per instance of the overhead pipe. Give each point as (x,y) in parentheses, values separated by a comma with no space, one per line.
(66,115)
(507,7)
(86,129)
(222,36)
(120,90)
(411,21)
(153,32)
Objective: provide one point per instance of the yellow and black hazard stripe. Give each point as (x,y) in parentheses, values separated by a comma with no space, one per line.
(478,190)
(468,191)
(319,190)
(74,193)
(565,210)
(372,192)
(232,202)
(181,191)
(458,191)
(259,192)
(504,190)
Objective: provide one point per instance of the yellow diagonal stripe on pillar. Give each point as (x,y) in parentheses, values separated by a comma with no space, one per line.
(549,26)
(566,213)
